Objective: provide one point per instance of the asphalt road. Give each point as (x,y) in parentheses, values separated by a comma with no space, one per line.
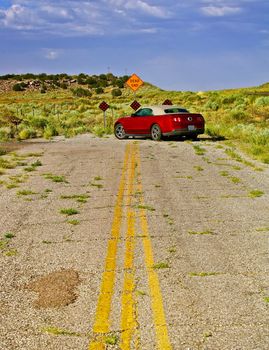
(166,247)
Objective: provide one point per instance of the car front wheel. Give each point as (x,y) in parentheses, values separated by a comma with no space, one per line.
(156,133)
(119,132)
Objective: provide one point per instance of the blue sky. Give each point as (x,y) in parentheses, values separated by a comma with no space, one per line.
(176,45)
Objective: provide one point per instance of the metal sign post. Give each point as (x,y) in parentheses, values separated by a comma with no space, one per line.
(104,106)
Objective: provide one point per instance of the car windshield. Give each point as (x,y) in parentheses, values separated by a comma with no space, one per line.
(176,110)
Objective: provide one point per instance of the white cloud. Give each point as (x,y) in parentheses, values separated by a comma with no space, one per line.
(220,11)
(51,54)
(143,6)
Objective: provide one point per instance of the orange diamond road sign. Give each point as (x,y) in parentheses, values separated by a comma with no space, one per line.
(134,82)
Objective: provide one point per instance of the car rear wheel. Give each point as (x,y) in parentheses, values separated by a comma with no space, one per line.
(156,133)
(119,132)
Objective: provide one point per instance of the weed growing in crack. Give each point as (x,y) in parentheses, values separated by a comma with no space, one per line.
(25,193)
(55,178)
(198,168)
(112,339)
(145,207)
(203,274)
(59,331)
(69,211)
(161,265)
(255,193)
(73,222)
(207,232)
(199,150)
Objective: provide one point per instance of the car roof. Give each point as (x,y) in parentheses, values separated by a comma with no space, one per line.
(160,109)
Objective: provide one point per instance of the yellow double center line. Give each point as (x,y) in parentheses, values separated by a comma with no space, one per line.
(129,325)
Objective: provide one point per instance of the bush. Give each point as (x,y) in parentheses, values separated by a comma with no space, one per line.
(99,90)
(17,87)
(49,132)
(238,115)
(27,133)
(212,105)
(229,99)
(80,92)
(262,101)
(116,92)
(5,134)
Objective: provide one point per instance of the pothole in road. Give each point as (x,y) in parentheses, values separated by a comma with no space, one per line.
(55,289)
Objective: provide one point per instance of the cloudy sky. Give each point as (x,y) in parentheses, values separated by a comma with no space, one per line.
(175,44)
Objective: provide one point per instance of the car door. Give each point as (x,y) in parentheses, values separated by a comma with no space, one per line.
(140,121)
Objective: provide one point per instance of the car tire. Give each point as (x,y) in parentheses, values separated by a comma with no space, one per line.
(156,132)
(194,137)
(119,132)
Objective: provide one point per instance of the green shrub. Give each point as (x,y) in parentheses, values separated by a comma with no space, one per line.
(262,101)
(18,87)
(116,92)
(4,134)
(238,115)
(99,90)
(212,105)
(80,92)
(229,99)
(49,132)
(27,133)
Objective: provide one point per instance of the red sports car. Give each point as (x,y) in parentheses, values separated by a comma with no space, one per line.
(158,121)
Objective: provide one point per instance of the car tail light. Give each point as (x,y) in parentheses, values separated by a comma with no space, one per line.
(200,119)
(177,119)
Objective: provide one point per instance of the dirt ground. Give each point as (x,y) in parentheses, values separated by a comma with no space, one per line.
(109,244)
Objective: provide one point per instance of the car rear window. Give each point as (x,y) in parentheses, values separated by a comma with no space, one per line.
(176,110)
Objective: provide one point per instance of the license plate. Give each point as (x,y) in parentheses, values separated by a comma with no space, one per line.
(191,127)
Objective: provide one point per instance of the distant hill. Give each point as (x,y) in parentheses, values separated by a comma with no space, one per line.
(49,82)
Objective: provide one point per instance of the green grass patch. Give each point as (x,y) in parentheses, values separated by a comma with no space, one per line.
(224,173)
(36,163)
(12,185)
(25,193)
(207,232)
(69,211)
(141,292)
(9,235)
(198,168)
(262,229)
(6,164)
(235,180)
(255,193)
(172,250)
(203,274)
(99,186)
(161,265)
(80,198)
(32,154)
(11,252)
(145,207)
(59,331)
(29,169)
(112,339)
(199,150)
(73,222)
(55,178)
(266,299)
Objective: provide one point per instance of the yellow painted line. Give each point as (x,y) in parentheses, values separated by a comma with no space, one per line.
(102,316)
(163,341)
(128,318)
